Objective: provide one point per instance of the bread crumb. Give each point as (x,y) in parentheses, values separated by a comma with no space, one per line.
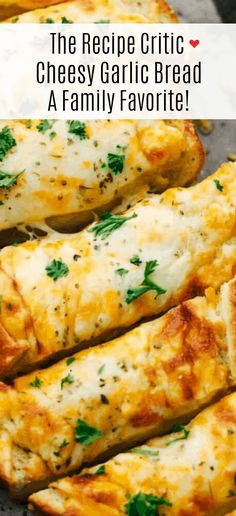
(205,126)
(231,156)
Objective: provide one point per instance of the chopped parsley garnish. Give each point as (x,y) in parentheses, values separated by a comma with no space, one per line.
(108,224)
(101,369)
(15,20)
(56,269)
(1,203)
(218,184)
(103,21)
(135,260)
(36,383)
(70,360)
(143,451)
(86,434)
(44,126)
(7,142)
(101,470)
(15,244)
(179,428)
(143,504)
(67,379)
(78,128)
(56,453)
(64,443)
(52,135)
(116,162)
(147,285)
(121,271)
(231,493)
(8,180)
(65,20)
(49,20)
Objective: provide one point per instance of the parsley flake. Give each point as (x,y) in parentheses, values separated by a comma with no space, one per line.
(8,180)
(36,383)
(70,360)
(52,135)
(109,223)
(145,451)
(101,369)
(135,260)
(44,126)
(57,269)
(86,434)
(103,21)
(65,20)
(147,285)
(143,504)
(179,428)
(218,184)
(7,142)
(121,271)
(101,470)
(64,443)
(78,128)
(116,162)
(67,379)
(231,493)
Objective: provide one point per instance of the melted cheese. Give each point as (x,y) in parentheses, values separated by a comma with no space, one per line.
(66,174)
(196,475)
(128,389)
(122,11)
(189,232)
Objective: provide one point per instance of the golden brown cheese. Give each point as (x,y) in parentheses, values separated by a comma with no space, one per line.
(55,420)
(190,473)
(65,294)
(64,167)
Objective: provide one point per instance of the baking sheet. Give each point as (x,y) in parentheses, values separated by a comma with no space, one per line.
(219,143)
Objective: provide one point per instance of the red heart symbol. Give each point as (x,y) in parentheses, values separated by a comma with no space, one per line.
(194,42)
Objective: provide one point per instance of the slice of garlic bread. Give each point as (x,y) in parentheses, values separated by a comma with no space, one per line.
(190,472)
(59,295)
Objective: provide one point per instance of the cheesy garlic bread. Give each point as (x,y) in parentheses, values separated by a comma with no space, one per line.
(57,168)
(62,295)
(55,420)
(189,473)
